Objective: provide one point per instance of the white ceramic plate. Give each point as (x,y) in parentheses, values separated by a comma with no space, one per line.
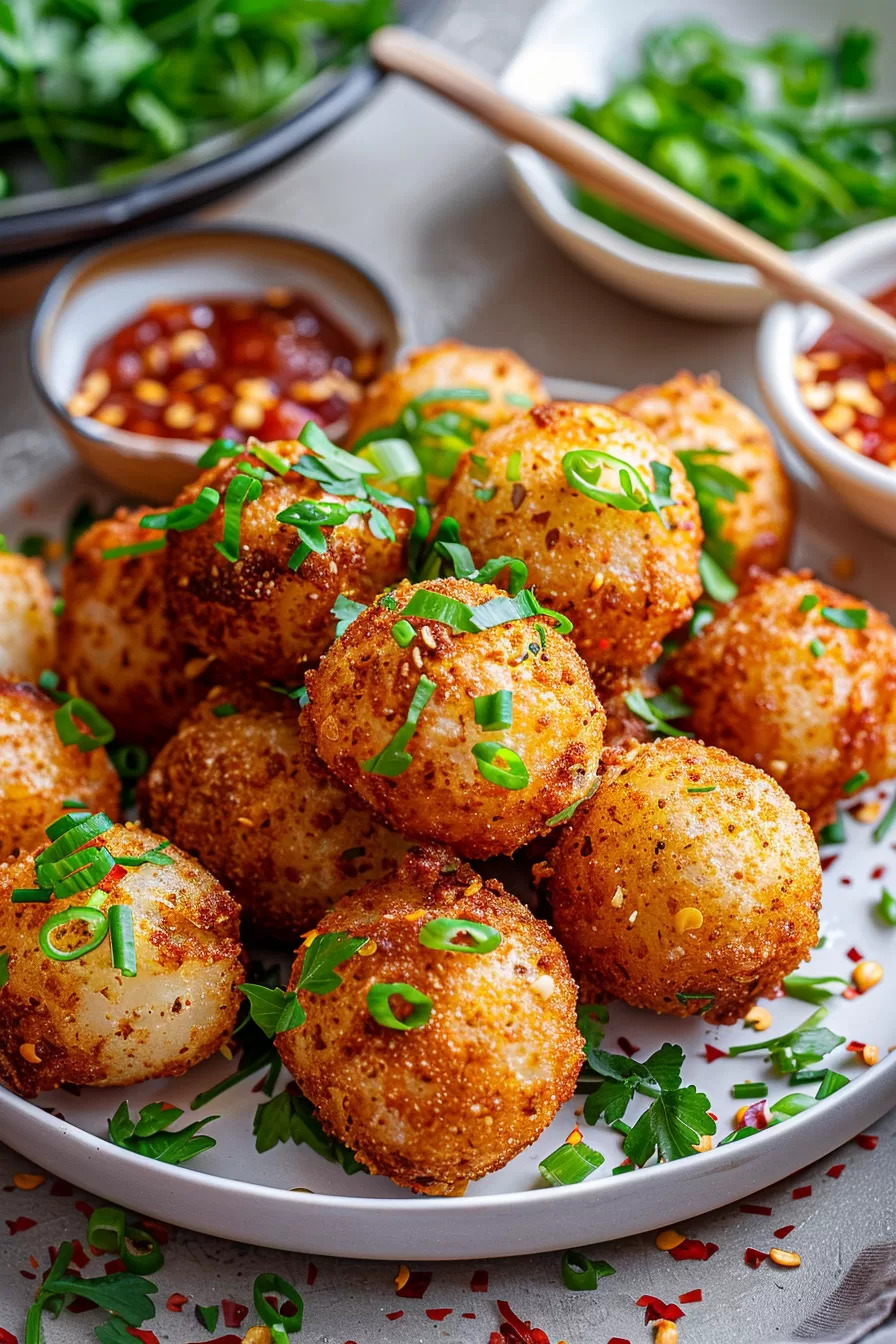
(231,1191)
(578,48)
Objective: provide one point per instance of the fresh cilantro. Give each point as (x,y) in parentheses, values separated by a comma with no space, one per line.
(275,1010)
(591,1018)
(345,611)
(671,1127)
(812,988)
(659,710)
(125,1295)
(290,1117)
(677,1117)
(713,483)
(256,1050)
(149,1135)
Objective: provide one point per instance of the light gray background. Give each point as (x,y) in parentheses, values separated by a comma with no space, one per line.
(419,193)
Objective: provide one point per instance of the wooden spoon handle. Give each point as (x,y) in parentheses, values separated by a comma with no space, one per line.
(612,174)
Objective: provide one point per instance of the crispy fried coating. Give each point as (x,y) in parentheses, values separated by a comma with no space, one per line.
(27,623)
(248,795)
(363,689)
(116,641)
(687,413)
(812,714)
(436,1106)
(82,1020)
(624,578)
(450,364)
(37,772)
(660,891)
(257,615)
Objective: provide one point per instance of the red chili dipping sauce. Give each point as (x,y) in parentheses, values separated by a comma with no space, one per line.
(224,368)
(852,390)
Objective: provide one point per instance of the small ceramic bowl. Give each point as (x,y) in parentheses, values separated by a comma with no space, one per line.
(102,289)
(863,260)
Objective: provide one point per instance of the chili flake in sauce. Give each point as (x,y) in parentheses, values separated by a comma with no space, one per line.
(212,368)
(852,390)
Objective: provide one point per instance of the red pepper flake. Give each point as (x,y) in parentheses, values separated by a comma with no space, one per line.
(468,1315)
(176,1302)
(625,1044)
(438,1313)
(617,1340)
(802,1192)
(20,1224)
(846,881)
(877,873)
(855,1046)
(233,1313)
(417,1284)
(495,1337)
(691,1249)
(312,1274)
(516,1331)
(854,954)
(479,1281)
(26,1274)
(61,1188)
(6,1337)
(115,1266)
(83,1207)
(712,1053)
(79,1255)
(146,1336)
(756,1208)
(695,1295)
(754,1258)
(224,1339)
(657,1310)
(394,1315)
(868,1141)
(160,1231)
(785,1231)
(827,861)
(836,1171)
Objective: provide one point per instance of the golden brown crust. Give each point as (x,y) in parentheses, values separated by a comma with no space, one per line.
(360,696)
(449,364)
(644,848)
(85,1022)
(257,614)
(249,796)
(116,642)
(37,772)
(437,1106)
(623,578)
(758,691)
(27,623)
(686,413)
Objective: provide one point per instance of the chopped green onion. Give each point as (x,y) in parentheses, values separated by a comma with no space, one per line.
(793,1104)
(431,606)
(886,908)
(75,872)
(581,1274)
(702,788)
(883,827)
(501,766)
(452,394)
(274,461)
(737,1134)
(745,1090)
(833,834)
(493,712)
(272,1285)
(89,915)
(186,516)
(809,602)
(378,997)
(485,493)
(808,1076)
(570,1163)
(393,760)
(714,579)
(136,548)
(129,760)
(241,490)
(69,833)
(153,856)
(831,1083)
(567,812)
(121,936)
(345,610)
(514,462)
(403,633)
(249,469)
(4,969)
(583,467)
(856,782)
(707,999)
(848,618)
(208,1316)
(817,649)
(221,448)
(99,729)
(73,802)
(31,895)
(657,711)
(811,988)
(439,934)
(225,710)
(518,399)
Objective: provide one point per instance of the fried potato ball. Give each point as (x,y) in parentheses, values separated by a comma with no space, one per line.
(83,1022)
(789,690)
(27,623)
(258,614)
(688,413)
(116,642)
(661,892)
(624,578)
(37,772)
(453,784)
(247,793)
(440,1104)
(509,381)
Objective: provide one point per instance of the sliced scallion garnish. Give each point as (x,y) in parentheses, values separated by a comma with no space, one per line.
(153,856)
(85,913)
(493,712)
(218,450)
(744,1091)
(847,618)
(581,1274)
(272,1285)
(439,934)
(121,936)
(714,579)
(186,516)
(136,548)
(393,760)
(224,710)
(378,996)
(242,490)
(97,732)
(570,1163)
(500,765)
(403,633)
(886,908)
(31,895)
(856,782)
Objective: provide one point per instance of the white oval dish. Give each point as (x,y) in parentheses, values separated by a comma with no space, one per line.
(231,1191)
(579,48)
(863,260)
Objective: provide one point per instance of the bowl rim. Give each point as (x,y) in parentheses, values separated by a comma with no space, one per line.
(782,335)
(54,298)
